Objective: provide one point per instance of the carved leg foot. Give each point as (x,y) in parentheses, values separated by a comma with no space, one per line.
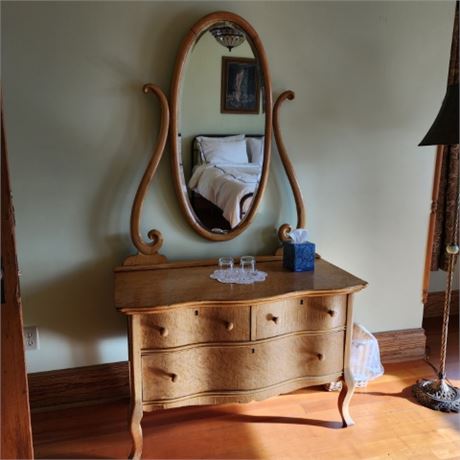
(333,386)
(345,395)
(136,431)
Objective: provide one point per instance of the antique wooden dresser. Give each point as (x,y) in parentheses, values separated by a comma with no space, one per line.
(193,340)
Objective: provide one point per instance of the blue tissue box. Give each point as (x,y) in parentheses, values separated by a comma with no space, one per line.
(299,257)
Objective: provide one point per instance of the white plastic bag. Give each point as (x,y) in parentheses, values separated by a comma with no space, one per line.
(365,362)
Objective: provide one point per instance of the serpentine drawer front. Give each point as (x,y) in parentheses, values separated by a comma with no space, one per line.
(189,325)
(219,369)
(300,314)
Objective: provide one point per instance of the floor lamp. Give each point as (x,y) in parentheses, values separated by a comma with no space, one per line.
(438,393)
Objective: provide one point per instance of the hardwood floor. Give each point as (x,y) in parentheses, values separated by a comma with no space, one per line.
(301,425)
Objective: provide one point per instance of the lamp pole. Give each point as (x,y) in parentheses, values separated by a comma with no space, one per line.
(439,394)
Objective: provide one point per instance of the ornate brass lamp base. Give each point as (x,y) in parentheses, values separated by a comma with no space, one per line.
(437,394)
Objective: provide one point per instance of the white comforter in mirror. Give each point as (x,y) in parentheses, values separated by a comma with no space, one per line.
(225,185)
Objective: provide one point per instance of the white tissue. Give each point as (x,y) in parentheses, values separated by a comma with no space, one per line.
(300,235)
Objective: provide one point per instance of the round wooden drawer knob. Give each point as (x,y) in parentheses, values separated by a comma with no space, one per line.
(174,377)
(320,356)
(164,332)
(331,313)
(229,325)
(275,319)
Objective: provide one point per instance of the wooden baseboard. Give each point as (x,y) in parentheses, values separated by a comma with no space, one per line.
(79,386)
(401,345)
(435,304)
(88,385)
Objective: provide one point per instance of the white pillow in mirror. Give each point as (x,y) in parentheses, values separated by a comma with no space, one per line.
(256,149)
(224,152)
(236,137)
(205,140)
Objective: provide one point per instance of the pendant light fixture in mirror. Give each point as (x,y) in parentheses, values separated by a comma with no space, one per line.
(228,35)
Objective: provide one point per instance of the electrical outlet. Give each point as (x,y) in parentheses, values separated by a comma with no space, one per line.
(31,338)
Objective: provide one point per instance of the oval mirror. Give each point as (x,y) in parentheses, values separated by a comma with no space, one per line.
(221,122)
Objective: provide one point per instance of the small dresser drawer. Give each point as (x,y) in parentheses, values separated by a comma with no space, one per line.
(184,326)
(300,314)
(220,370)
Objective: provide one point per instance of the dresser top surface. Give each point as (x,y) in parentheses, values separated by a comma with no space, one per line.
(157,287)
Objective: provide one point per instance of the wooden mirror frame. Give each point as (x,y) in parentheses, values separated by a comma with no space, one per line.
(178,176)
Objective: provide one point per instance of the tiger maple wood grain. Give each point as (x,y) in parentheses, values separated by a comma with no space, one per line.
(305,313)
(137,290)
(217,369)
(195,325)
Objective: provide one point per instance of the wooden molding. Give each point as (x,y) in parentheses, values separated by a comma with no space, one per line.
(401,345)
(16,439)
(435,304)
(432,222)
(79,386)
(100,383)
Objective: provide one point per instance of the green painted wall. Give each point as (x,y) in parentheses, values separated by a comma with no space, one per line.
(369,78)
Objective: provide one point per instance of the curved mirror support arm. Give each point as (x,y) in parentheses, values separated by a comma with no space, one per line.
(148,251)
(301,220)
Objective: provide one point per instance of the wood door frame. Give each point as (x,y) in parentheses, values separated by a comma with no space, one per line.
(16,439)
(432,222)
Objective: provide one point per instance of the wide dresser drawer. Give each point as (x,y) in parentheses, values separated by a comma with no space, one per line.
(190,325)
(219,369)
(299,314)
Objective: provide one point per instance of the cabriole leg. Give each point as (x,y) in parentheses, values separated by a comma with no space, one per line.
(135,377)
(345,395)
(135,429)
(349,386)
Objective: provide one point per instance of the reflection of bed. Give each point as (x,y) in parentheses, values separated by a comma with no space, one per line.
(224,179)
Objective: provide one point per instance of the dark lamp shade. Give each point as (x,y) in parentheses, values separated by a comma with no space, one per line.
(444,130)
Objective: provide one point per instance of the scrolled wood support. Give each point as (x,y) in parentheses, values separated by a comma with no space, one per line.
(148,251)
(286,228)
(283,232)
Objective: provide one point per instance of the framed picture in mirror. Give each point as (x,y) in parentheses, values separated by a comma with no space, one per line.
(240,86)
